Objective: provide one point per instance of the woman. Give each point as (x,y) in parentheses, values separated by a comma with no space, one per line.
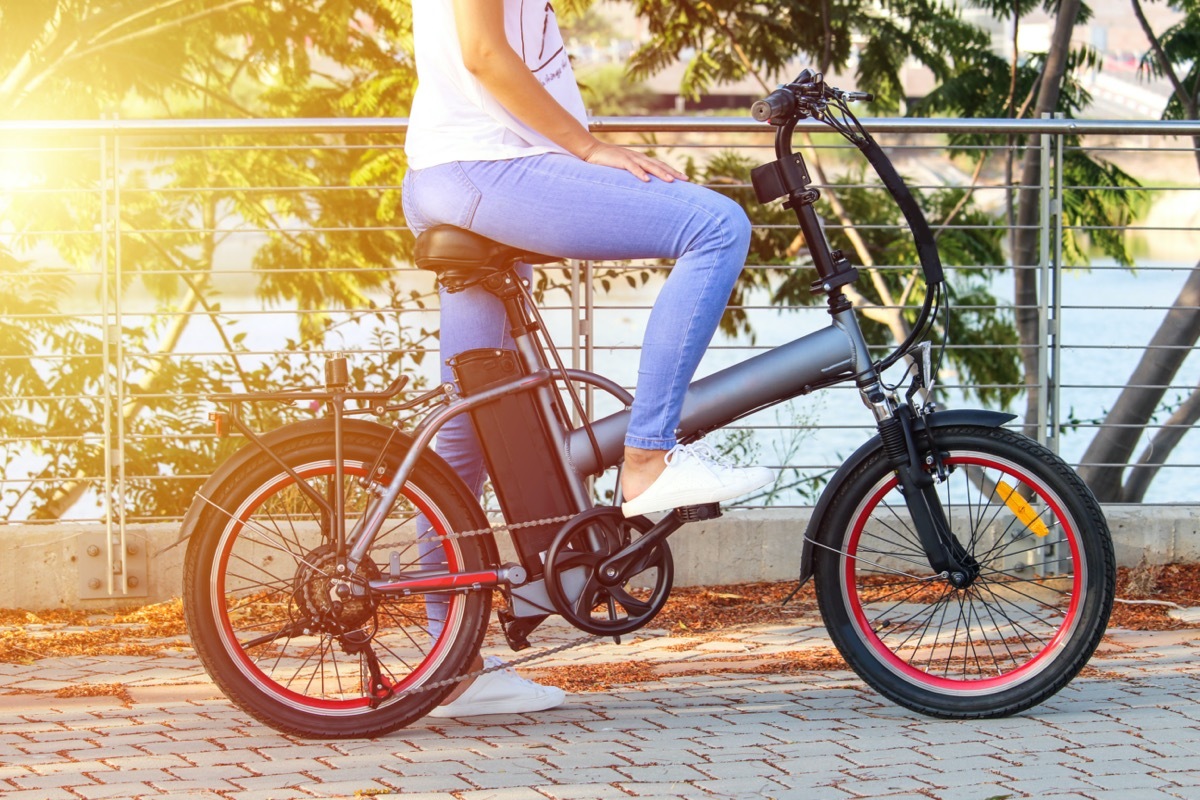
(498,144)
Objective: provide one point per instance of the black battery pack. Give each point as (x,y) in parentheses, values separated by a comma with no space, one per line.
(526,475)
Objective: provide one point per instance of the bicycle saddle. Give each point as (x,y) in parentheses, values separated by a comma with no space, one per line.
(459,256)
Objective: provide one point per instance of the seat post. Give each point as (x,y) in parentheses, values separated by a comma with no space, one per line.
(506,286)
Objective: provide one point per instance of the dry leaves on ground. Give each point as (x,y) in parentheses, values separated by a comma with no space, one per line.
(697,612)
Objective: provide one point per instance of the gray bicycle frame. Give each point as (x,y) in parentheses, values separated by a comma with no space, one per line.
(836,352)
(712,402)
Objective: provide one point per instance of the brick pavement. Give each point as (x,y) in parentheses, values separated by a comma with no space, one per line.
(1129,729)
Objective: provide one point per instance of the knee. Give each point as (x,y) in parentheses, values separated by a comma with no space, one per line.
(732,228)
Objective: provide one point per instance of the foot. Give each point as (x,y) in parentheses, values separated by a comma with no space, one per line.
(696,474)
(502,692)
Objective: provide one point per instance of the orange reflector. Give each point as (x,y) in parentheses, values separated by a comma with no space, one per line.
(1021,509)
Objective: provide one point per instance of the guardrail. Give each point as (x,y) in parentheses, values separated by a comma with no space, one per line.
(144,257)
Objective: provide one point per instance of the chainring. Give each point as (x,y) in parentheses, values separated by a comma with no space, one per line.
(611,604)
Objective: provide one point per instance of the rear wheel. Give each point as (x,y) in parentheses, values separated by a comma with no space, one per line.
(270,613)
(1026,624)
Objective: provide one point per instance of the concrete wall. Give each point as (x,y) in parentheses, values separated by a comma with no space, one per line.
(49,566)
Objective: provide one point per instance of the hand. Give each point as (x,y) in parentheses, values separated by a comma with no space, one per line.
(642,166)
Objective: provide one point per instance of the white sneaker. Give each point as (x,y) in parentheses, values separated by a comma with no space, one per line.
(503,692)
(696,474)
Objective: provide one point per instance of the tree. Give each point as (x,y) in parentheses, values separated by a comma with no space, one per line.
(735,39)
(1175,55)
(194,58)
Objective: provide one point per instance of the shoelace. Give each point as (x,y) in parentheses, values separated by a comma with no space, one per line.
(702,451)
(490,662)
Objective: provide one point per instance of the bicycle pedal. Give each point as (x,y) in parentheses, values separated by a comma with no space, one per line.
(517,629)
(698,513)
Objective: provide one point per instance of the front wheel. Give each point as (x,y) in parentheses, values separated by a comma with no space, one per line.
(268,603)
(1020,630)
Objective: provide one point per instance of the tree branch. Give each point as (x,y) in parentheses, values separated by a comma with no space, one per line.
(1164,63)
(71,55)
(962,202)
(1186,99)
(1161,445)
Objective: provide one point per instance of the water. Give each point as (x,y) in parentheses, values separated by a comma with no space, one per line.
(1108,316)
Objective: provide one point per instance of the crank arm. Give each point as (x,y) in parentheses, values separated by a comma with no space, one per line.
(621,563)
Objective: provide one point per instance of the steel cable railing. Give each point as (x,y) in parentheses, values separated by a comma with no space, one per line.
(138,266)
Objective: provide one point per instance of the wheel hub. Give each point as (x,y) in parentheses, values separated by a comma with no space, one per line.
(325,598)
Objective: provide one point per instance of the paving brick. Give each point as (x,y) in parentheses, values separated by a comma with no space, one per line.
(144,761)
(217,773)
(277,793)
(1134,794)
(879,788)
(1127,780)
(511,793)
(55,780)
(819,735)
(583,791)
(121,790)
(39,794)
(279,782)
(975,791)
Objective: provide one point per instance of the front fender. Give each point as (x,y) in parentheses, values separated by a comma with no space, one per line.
(938,419)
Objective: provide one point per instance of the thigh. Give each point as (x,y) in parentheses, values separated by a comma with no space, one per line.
(567,207)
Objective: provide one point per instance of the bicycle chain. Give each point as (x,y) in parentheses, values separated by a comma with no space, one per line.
(540,654)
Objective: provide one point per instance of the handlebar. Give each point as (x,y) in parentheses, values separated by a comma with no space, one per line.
(804,97)
(809,97)
(779,104)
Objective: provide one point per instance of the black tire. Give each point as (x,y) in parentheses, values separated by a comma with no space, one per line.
(1027,624)
(259,598)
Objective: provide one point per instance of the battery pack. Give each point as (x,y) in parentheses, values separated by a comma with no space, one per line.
(526,474)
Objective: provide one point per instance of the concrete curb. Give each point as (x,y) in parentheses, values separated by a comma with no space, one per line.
(65,565)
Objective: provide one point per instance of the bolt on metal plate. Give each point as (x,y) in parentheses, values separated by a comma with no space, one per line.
(94,567)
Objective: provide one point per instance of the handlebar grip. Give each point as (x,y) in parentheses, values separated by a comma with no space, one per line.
(778,104)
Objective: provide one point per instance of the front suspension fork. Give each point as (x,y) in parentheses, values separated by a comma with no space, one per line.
(946,554)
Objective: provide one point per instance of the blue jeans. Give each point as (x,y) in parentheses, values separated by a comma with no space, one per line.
(563,206)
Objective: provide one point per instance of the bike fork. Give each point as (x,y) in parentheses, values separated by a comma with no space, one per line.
(947,557)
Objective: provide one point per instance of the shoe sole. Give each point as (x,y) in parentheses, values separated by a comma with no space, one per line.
(689,498)
(491,709)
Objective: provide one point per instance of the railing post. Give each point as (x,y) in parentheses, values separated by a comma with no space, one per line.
(1044,203)
(577,324)
(1054,392)
(113,354)
(106,423)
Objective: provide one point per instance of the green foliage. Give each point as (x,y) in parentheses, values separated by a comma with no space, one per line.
(1181,45)
(607,92)
(980,328)
(732,39)
(329,207)
(1098,217)
(982,324)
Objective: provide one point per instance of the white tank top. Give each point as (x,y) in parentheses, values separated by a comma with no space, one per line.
(454,118)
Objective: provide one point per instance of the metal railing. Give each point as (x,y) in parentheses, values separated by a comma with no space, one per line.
(146,257)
